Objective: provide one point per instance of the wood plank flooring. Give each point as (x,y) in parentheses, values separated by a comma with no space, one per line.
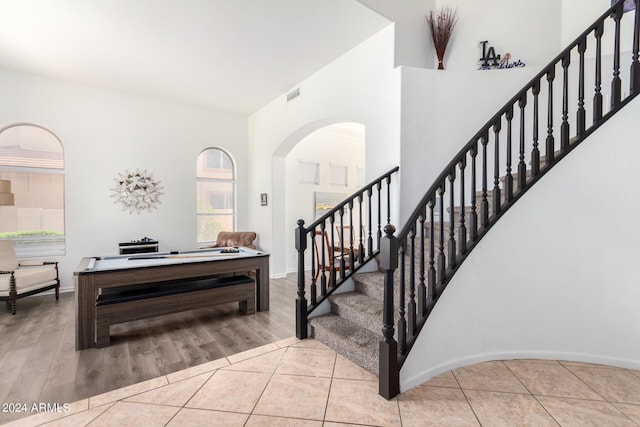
(39,363)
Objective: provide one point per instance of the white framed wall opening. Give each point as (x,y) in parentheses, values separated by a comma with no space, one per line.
(32,168)
(338,150)
(215,194)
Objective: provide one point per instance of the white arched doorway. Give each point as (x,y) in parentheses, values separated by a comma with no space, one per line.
(336,148)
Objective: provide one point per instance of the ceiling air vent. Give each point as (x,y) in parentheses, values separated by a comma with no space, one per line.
(293,94)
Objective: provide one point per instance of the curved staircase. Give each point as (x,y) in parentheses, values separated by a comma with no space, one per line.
(535,130)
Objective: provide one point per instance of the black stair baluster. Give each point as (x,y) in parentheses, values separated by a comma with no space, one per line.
(431,275)
(535,153)
(550,141)
(473,217)
(484,203)
(352,257)
(462,228)
(564,127)
(442,270)
(508,179)
(411,306)
(370,225)
(522,166)
(323,251)
(422,289)
(497,126)
(360,231)
(402,322)
(379,235)
(635,65)
(452,223)
(388,199)
(616,83)
(597,97)
(314,286)
(581,114)
(330,251)
(341,237)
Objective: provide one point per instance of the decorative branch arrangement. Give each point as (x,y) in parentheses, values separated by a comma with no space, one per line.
(441,25)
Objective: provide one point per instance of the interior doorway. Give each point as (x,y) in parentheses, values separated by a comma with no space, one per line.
(325,166)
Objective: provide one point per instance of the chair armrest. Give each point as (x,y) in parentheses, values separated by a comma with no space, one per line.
(37,263)
(6,272)
(28,264)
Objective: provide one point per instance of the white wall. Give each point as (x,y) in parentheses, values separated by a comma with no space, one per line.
(530,31)
(361,86)
(576,15)
(104,133)
(508,27)
(413,46)
(576,19)
(557,277)
(441,111)
(325,149)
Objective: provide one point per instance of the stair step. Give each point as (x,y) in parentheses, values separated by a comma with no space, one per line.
(514,174)
(371,285)
(543,157)
(348,339)
(359,309)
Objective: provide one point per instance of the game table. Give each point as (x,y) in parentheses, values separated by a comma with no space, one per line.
(95,273)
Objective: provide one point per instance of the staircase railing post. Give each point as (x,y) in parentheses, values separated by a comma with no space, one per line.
(301,301)
(635,65)
(616,83)
(388,373)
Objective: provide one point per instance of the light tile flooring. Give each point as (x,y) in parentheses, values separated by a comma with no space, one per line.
(304,383)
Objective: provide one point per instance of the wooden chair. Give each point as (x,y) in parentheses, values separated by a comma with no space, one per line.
(350,238)
(19,280)
(332,256)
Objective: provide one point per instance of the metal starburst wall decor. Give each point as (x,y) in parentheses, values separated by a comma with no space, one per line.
(137,191)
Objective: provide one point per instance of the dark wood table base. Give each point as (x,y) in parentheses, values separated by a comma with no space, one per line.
(90,281)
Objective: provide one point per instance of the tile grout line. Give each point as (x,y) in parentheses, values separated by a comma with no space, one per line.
(583,382)
(270,377)
(466,397)
(326,404)
(506,365)
(194,393)
(545,409)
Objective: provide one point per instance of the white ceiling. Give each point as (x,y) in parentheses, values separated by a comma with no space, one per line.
(230,55)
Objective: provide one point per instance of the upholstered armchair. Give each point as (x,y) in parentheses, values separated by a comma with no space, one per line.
(19,280)
(235,238)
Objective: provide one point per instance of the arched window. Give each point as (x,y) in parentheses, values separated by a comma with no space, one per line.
(215,194)
(32,166)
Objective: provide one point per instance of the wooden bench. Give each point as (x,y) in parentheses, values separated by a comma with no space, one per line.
(134,302)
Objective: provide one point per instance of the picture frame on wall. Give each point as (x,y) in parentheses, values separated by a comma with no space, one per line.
(628,5)
(324,202)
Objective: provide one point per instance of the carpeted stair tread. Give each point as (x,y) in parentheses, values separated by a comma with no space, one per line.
(348,339)
(372,285)
(359,309)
